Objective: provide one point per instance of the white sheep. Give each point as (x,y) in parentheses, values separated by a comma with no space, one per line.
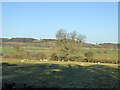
(44,60)
(41,60)
(98,62)
(82,64)
(62,60)
(22,60)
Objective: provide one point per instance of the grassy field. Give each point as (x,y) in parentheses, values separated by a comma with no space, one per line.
(32,50)
(98,53)
(61,75)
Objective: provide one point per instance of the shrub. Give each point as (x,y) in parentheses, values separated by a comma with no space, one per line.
(89,55)
(6,56)
(54,57)
(40,55)
(105,52)
(63,58)
(114,61)
(28,55)
(21,56)
(86,60)
(98,52)
(72,58)
(1,54)
(102,61)
(14,56)
(80,58)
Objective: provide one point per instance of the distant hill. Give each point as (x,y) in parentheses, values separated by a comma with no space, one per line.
(50,43)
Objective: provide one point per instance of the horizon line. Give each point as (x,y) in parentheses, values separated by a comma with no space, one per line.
(55,38)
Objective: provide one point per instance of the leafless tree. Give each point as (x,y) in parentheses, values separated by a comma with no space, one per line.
(68,45)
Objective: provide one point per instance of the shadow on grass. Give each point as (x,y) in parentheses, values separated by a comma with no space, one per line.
(6,64)
(59,76)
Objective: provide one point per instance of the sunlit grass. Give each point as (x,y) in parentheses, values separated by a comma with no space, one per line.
(18,61)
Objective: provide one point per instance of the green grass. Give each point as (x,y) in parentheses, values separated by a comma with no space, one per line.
(8,50)
(61,75)
(32,50)
(98,53)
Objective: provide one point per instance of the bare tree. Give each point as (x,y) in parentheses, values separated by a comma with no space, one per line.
(68,44)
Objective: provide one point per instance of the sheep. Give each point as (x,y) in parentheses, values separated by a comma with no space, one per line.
(41,60)
(98,62)
(82,64)
(22,60)
(45,60)
(62,60)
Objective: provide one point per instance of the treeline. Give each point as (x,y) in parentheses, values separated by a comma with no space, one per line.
(24,40)
(50,42)
(103,45)
(27,42)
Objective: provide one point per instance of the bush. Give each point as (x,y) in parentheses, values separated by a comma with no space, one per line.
(89,55)
(104,61)
(40,55)
(17,56)
(64,58)
(6,56)
(54,57)
(28,55)
(105,52)
(98,52)
(1,54)
(76,58)
(72,58)
(14,56)
(21,56)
